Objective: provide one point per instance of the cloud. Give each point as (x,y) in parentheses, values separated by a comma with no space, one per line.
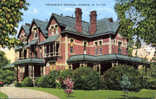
(35,11)
(32,11)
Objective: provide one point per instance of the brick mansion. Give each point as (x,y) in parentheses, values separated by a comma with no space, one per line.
(65,42)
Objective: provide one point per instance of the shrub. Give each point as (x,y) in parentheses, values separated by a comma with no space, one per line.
(152,84)
(85,78)
(69,86)
(113,76)
(63,75)
(52,77)
(66,74)
(42,82)
(7,76)
(27,82)
(17,84)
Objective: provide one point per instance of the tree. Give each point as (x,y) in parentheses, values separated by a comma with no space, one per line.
(10,12)
(137,18)
(3,60)
(125,85)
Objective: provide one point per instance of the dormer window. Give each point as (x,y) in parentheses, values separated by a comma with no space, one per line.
(34,30)
(35,35)
(53,29)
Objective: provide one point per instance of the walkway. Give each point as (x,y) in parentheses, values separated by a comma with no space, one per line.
(23,93)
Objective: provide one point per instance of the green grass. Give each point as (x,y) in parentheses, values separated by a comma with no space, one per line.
(2,95)
(97,94)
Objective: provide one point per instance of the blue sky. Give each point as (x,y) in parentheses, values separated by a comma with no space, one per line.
(42,9)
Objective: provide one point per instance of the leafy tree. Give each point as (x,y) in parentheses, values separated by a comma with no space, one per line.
(3,60)
(137,18)
(10,12)
(7,76)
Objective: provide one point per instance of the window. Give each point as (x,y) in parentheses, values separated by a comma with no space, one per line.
(96,51)
(119,47)
(100,51)
(85,45)
(100,43)
(35,35)
(71,45)
(56,29)
(96,43)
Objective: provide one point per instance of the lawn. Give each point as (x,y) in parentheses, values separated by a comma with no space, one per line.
(2,95)
(98,94)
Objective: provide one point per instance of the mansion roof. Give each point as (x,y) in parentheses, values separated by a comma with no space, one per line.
(104,26)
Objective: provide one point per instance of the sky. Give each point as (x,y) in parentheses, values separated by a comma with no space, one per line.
(42,9)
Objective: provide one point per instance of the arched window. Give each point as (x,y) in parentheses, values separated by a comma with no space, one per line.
(71,45)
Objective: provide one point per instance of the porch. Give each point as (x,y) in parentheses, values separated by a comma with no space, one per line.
(102,63)
(32,68)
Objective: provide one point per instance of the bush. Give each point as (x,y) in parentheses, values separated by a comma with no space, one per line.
(152,84)
(66,74)
(27,82)
(42,82)
(52,77)
(113,76)
(7,76)
(63,75)
(85,78)
(17,84)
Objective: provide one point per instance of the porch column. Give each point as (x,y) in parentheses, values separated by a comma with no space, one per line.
(113,64)
(49,54)
(55,48)
(95,67)
(41,70)
(33,74)
(30,71)
(99,68)
(17,73)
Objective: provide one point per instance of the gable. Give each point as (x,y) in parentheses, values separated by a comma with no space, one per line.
(22,35)
(34,32)
(54,27)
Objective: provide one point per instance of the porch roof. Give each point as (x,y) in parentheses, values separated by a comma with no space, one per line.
(29,61)
(49,39)
(109,57)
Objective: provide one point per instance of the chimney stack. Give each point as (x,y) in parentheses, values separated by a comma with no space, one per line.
(110,19)
(92,28)
(78,23)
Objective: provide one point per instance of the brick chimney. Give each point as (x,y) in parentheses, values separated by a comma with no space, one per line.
(110,19)
(78,21)
(92,28)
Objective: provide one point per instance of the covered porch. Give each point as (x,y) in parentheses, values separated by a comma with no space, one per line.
(32,68)
(102,63)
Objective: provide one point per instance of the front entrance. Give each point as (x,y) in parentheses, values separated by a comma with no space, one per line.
(37,71)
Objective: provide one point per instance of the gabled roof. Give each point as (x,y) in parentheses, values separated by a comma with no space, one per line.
(42,26)
(26,29)
(104,26)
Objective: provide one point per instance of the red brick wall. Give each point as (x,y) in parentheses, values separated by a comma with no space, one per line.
(90,49)
(118,38)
